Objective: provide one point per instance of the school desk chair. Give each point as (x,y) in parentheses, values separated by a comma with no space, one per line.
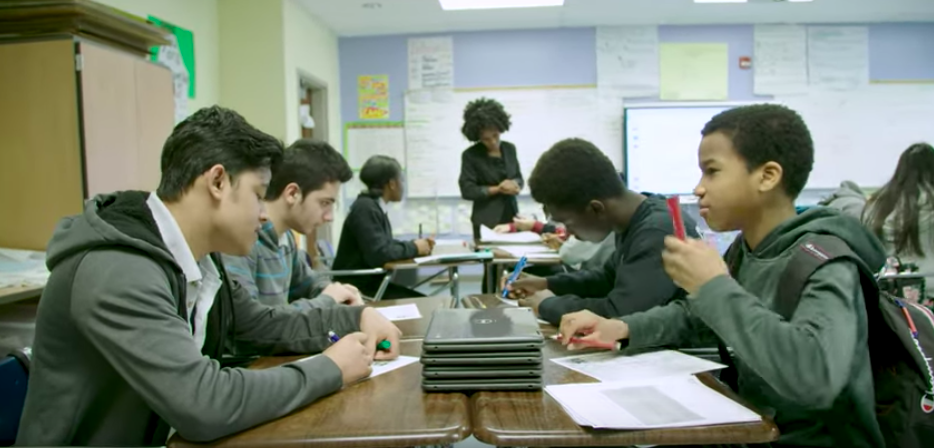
(14,370)
(326,256)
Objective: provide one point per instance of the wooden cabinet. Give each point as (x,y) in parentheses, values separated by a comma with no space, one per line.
(77,118)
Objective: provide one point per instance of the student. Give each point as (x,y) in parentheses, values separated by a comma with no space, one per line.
(574,253)
(579,186)
(901,213)
(812,371)
(849,199)
(138,307)
(366,239)
(300,197)
(490,173)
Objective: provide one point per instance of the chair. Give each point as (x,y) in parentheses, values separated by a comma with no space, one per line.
(326,257)
(14,370)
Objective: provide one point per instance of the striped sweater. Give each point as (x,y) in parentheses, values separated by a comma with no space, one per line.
(277,273)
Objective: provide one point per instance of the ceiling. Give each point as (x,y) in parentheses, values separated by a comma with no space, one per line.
(352,18)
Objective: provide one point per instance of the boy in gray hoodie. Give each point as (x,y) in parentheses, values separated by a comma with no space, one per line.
(811,373)
(138,308)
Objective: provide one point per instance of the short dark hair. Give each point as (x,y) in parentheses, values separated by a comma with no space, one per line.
(484,113)
(763,133)
(310,164)
(213,136)
(572,173)
(378,171)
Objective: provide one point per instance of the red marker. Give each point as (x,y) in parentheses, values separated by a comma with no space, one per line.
(592,344)
(674,207)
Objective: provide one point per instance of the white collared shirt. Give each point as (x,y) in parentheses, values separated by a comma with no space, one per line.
(384,206)
(203,279)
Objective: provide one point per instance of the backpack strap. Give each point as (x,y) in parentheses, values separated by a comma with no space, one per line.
(812,253)
(729,375)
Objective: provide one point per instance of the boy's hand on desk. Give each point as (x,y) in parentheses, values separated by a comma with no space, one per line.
(379,329)
(503,228)
(552,240)
(424,246)
(587,326)
(523,225)
(352,357)
(344,294)
(525,285)
(692,263)
(534,300)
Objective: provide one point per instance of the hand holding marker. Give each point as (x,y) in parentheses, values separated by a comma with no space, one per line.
(383,345)
(515,275)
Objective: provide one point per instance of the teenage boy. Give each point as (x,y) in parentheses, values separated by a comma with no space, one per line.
(812,372)
(138,308)
(301,197)
(580,188)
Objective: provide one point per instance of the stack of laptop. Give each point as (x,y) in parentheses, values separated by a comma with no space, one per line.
(485,349)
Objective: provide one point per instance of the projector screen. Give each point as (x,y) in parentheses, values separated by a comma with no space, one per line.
(661,146)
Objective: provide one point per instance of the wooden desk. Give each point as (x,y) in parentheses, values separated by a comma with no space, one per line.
(417,328)
(534,419)
(15,294)
(387,411)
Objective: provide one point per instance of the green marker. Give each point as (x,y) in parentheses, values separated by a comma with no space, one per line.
(385,345)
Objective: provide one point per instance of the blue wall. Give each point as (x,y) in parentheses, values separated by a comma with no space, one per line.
(567,56)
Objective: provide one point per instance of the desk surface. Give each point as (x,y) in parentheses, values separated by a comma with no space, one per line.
(417,328)
(387,411)
(536,419)
(15,294)
(411,264)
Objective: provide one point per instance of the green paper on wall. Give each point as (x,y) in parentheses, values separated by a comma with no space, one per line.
(694,72)
(186,46)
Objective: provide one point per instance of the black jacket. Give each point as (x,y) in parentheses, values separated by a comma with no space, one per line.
(366,242)
(479,172)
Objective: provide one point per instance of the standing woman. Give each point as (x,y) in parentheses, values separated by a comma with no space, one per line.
(901,213)
(490,174)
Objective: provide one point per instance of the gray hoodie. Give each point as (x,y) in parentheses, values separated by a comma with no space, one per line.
(849,199)
(115,362)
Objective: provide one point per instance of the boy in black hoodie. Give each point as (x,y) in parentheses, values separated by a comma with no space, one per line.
(812,372)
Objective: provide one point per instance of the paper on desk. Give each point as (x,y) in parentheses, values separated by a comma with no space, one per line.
(400,312)
(381,367)
(526,249)
(612,366)
(487,235)
(670,402)
(513,302)
(443,258)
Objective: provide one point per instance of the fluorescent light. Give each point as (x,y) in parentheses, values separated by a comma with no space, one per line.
(720,1)
(453,5)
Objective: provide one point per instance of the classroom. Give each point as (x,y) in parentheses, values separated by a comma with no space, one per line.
(467,223)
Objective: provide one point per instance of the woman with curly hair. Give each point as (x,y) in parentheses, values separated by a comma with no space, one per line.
(490,174)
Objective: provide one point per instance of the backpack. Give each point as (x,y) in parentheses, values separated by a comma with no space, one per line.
(901,335)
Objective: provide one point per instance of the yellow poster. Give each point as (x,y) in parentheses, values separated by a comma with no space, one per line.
(373,97)
(694,72)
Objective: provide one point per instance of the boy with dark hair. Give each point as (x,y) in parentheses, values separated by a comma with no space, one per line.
(812,370)
(579,187)
(301,197)
(138,308)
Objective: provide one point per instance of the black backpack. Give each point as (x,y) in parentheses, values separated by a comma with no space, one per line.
(901,335)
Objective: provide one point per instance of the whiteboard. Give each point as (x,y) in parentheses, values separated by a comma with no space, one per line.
(858,136)
(365,141)
(540,118)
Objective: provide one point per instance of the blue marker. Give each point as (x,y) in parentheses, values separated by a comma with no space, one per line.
(333,337)
(515,275)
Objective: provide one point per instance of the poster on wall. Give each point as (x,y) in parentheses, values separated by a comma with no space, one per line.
(373,97)
(179,57)
(431,62)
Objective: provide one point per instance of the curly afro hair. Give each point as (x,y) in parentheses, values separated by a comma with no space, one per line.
(763,133)
(484,113)
(572,173)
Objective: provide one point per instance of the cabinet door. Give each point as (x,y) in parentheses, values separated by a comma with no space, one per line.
(155,118)
(108,106)
(40,152)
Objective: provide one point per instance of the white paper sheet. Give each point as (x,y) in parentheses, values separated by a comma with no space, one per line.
(528,249)
(381,367)
(672,402)
(431,62)
(454,257)
(612,366)
(838,57)
(627,60)
(487,235)
(781,60)
(400,312)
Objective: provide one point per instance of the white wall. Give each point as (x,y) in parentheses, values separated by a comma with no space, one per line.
(199,16)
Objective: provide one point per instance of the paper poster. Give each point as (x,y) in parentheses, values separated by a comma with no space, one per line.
(781,60)
(627,60)
(373,97)
(838,57)
(431,62)
(184,43)
(694,72)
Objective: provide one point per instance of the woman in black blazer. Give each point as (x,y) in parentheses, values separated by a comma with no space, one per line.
(490,174)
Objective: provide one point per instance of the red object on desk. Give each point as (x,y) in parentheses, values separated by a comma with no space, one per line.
(592,344)
(674,207)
